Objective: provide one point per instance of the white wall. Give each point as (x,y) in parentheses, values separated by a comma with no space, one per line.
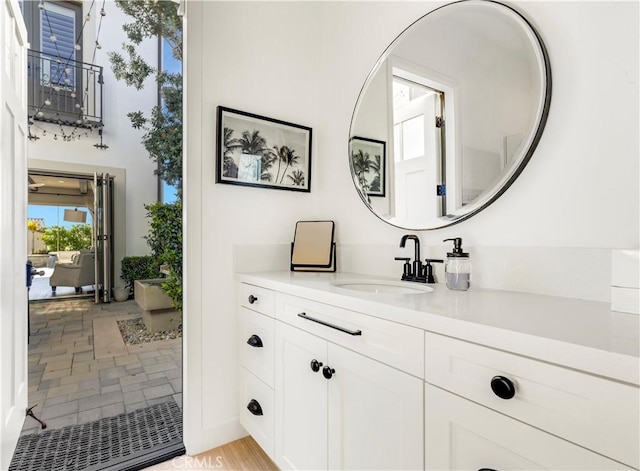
(125,153)
(305,63)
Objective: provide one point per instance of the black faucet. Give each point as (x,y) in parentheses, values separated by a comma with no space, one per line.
(416,272)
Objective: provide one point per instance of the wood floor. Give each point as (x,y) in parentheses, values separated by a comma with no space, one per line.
(241,455)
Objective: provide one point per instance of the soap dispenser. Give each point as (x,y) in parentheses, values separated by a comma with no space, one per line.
(457,269)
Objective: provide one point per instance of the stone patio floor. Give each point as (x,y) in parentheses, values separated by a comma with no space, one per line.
(75,379)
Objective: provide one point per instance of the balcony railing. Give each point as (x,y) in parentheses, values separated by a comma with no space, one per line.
(64,91)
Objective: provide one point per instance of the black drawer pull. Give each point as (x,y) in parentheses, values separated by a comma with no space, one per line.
(328,372)
(254,407)
(315,365)
(333,326)
(503,387)
(486,469)
(252,299)
(255,341)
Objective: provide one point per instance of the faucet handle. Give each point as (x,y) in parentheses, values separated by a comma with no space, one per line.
(428,269)
(406,271)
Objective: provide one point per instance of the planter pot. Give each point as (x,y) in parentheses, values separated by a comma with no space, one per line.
(158,313)
(150,296)
(121,294)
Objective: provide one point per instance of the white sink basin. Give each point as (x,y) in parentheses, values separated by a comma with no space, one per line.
(383,287)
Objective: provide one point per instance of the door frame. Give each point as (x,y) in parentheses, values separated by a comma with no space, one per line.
(102,205)
(13,228)
(119,199)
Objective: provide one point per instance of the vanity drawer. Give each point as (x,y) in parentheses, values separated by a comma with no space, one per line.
(257,414)
(256,298)
(257,347)
(462,435)
(594,412)
(394,344)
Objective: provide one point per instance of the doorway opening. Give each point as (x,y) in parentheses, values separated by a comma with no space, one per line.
(83,370)
(70,224)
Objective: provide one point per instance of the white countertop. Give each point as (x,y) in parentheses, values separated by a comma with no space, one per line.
(585,335)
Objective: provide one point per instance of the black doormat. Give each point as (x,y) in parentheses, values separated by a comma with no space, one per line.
(127,441)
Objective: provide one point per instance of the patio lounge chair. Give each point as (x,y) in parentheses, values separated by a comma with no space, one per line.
(80,272)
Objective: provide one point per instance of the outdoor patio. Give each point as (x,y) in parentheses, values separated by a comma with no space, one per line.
(80,369)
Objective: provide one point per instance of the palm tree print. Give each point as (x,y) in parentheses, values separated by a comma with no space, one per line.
(229,167)
(259,151)
(297,177)
(254,144)
(267,160)
(361,166)
(364,166)
(375,167)
(288,156)
(283,154)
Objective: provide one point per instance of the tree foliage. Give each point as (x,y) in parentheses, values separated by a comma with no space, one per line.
(163,126)
(165,241)
(77,237)
(33,226)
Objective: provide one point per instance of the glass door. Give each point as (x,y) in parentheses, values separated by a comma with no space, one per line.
(103,236)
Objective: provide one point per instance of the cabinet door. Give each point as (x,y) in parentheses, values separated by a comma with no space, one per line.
(460,434)
(375,414)
(301,400)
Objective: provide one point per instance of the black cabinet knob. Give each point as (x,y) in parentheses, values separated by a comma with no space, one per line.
(254,407)
(255,341)
(487,469)
(328,372)
(315,365)
(503,387)
(252,299)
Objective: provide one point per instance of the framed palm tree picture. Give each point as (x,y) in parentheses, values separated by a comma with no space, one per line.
(368,164)
(258,151)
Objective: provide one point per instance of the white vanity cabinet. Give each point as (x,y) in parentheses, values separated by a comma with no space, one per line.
(352,382)
(326,388)
(462,435)
(337,409)
(257,347)
(474,393)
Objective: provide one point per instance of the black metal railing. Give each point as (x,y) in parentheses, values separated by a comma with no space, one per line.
(64,91)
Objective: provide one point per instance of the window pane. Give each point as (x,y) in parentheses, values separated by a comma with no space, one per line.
(413,138)
(58,39)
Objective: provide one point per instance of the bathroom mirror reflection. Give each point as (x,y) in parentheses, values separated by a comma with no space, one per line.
(460,100)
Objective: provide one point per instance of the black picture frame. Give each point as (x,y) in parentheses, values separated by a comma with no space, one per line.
(254,150)
(368,161)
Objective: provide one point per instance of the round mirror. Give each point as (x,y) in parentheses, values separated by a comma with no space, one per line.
(450,115)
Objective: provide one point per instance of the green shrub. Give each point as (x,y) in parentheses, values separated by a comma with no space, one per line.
(141,267)
(165,241)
